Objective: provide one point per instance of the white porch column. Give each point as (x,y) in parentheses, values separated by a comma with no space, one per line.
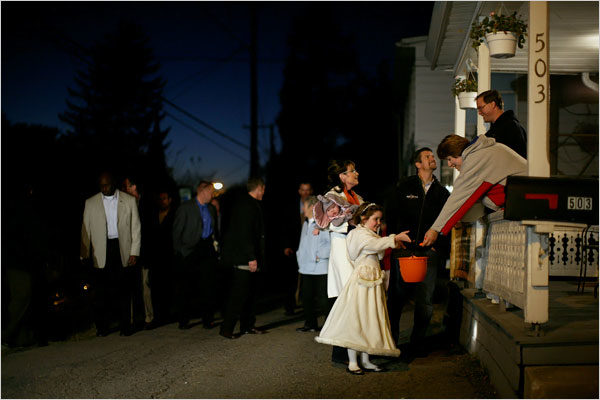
(460,115)
(538,91)
(460,121)
(484,79)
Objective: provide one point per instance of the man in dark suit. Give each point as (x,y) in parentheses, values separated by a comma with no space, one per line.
(161,259)
(195,246)
(244,251)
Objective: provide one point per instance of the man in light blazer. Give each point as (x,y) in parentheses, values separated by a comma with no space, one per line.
(111,237)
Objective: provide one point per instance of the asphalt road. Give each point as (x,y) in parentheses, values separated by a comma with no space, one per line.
(197,363)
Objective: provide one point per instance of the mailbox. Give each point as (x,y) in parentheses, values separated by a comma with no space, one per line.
(552,199)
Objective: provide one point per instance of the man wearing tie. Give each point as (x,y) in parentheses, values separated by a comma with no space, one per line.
(195,245)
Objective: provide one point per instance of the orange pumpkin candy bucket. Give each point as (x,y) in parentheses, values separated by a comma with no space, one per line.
(413,269)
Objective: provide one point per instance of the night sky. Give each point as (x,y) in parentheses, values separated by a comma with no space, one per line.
(200,46)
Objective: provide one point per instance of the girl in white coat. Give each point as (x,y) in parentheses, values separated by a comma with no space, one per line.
(359,319)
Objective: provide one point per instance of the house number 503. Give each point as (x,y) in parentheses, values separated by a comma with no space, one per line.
(540,66)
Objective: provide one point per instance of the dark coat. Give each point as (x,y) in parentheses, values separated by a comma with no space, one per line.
(290,225)
(162,239)
(509,131)
(409,208)
(187,227)
(244,238)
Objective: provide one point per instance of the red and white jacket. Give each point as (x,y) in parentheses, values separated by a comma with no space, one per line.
(485,167)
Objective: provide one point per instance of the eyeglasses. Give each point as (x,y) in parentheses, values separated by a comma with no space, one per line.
(353,171)
(482,107)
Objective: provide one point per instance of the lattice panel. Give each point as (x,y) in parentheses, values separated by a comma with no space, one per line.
(507,261)
(565,252)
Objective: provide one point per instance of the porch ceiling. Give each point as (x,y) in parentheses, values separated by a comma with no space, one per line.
(573,35)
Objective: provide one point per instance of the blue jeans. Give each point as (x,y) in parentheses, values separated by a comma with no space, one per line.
(400,292)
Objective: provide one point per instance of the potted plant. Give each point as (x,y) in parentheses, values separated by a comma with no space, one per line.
(466,91)
(501,32)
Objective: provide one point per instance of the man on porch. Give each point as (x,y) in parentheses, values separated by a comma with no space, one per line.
(505,126)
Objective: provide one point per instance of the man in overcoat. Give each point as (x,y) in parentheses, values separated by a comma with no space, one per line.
(244,251)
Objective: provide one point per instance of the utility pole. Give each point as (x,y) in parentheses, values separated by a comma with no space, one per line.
(254,163)
(271,128)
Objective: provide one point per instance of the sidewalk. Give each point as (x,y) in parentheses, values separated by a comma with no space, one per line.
(198,363)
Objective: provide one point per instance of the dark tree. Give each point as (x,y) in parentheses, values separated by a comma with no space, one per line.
(316,96)
(330,108)
(115,109)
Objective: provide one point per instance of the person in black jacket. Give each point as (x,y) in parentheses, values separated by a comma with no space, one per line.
(244,251)
(413,206)
(505,127)
(195,246)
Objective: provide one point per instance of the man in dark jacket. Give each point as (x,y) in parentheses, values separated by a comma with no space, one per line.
(413,206)
(195,246)
(244,251)
(505,127)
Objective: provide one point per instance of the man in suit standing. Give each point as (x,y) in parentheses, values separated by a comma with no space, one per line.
(161,259)
(111,236)
(195,246)
(244,251)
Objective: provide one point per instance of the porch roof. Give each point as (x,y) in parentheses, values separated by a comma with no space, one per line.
(573,36)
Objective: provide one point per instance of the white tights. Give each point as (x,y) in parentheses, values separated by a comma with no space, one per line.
(364,359)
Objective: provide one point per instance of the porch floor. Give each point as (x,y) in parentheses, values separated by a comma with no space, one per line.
(508,347)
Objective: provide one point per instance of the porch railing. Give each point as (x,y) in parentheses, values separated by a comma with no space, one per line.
(511,260)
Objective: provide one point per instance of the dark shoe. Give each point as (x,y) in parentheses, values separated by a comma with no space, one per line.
(306,329)
(184,326)
(419,351)
(355,371)
(102,333)
(208,325)
(126,332)
(150,325)
(253,331)
(376,369)
(228,335)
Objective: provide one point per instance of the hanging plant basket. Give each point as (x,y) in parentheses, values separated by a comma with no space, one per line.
(467,100)
(501,44)
(501,32)
(466,91)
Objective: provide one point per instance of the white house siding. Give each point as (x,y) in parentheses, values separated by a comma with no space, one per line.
(430,107)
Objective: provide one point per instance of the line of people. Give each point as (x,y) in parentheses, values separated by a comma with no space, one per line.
(337,254)
(140,255)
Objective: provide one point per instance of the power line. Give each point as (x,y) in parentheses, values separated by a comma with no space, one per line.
(236,169)
(216,68)
(206,137)
(205,124)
